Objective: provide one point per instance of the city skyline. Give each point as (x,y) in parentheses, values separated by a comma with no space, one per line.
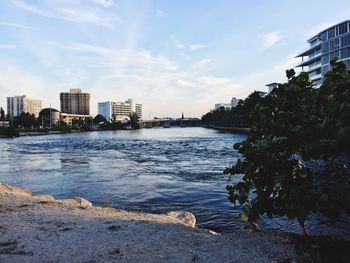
(174,57)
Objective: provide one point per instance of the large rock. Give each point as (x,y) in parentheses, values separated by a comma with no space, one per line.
(83,203)
(186,218)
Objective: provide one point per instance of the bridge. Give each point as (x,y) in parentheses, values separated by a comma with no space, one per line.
(167,122)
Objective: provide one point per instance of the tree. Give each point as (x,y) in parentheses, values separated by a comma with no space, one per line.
(99,119)
(296,157)
(235,117)
(2,114)
(24,120)
(134,121)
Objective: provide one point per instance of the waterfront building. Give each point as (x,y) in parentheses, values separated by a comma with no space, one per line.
(69,118)
(323,47)
(119,111)
(105,109)
(271,86)
(234,102)
(75,102)
(18,104)
(226,106)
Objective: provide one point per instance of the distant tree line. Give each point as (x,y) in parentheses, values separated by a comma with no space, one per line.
(238,116)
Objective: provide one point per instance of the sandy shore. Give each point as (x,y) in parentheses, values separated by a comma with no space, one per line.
(42,229)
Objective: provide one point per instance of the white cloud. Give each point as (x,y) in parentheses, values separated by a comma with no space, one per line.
(193,47)
(7,46)
(3,23)
(269,40)
(104,3)
(73,12)
(186,83)
(202,63)
(160,13)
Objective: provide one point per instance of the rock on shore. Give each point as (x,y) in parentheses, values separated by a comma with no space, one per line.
(43,229)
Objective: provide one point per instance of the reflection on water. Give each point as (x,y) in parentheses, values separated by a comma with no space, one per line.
(151,170)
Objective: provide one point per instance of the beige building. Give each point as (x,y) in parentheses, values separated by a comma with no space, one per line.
(68,118)
(18,104)
(75,102)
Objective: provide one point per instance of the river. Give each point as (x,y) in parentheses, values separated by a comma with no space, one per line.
(150,170)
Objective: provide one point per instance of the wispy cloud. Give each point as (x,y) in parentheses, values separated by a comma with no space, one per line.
(160,13)
(104,3)
(269,40)
(203,62)
(192,47)
(3,23)
(186,83)
(7,46)
(196,46)
(73,12)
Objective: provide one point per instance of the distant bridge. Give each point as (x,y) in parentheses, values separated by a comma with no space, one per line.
(166,123)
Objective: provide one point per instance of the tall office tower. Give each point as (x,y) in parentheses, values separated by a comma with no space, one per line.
(18,104)
(326,45)
(75,102)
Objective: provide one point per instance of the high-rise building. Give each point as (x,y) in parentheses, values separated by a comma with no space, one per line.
(138,110)
(226,106)
(119,110)
(234,102)
(326,45)
(106,109)
(18,104)
(75,102)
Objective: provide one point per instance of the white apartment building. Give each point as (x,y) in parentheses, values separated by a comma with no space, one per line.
(226,106)
(119,110)
(234,102)
(18,104)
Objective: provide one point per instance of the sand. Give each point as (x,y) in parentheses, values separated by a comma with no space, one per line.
(42,229)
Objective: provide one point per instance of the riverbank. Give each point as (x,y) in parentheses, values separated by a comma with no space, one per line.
(229,129)
(40,228)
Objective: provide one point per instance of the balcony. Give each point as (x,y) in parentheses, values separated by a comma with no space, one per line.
(315,77)
(314,66)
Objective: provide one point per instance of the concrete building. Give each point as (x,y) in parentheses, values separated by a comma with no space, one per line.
(75,102)
(234,102)
(119,111)
(271,86)
(68,118)
(18,104)
(323,47)
(106,109)
(226,106)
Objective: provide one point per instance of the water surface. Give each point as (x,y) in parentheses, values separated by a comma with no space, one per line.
(150,170)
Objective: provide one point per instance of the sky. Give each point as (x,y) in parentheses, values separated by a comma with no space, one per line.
(172,56)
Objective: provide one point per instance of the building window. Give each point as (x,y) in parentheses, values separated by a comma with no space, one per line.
(324,36)
(345,53)
(325,47)
(331,33)
(325,59)
(343,28)
(345,40)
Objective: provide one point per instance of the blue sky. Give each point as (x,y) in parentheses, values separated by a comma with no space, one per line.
(172,56)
